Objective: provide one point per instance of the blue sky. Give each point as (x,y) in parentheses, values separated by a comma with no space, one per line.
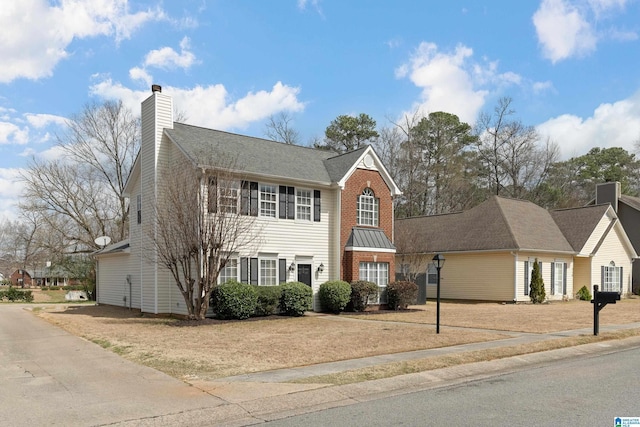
(571,66)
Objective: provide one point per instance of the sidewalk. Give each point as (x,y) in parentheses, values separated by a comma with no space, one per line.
(265,396)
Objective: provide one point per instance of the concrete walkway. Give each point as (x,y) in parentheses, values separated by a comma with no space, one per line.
(49,377)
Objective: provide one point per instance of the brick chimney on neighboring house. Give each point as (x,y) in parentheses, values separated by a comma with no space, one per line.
(609,192)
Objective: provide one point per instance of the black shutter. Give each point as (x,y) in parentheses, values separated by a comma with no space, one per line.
(282,202)
(245,196)
(526,278)
(282,273)
(316,205)
(621,280)
(291,203)
(244,270)
(564,280)
(553,273)
(212,195)
(602,278)
(254,271)
(254,198)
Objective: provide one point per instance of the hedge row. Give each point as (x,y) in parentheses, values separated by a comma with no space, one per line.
(14,295)
(336,296)
(235,300)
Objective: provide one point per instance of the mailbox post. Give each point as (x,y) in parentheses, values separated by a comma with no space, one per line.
(600,299)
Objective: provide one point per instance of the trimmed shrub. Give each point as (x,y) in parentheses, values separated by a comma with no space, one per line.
(295,298)
(401,294)
(334,295)
(234,300)
(268,300)
(536,288)
(361,291)
(12,294)
(584,294)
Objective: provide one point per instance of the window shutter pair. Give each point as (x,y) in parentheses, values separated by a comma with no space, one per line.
(249,270)
(249,198)
(287,202)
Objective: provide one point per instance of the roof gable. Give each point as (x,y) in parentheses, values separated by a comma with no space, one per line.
(578,224)
(496,224)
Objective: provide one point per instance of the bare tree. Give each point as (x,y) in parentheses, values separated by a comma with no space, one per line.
(80,196)
(199,226)
(278,128)
(105,139)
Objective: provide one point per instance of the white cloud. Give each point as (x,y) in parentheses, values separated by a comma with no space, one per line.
(35,34)
(167,58)
(539,87)
(10,189)
(573,28)
(302,5)
(137,73)
(43,120)
(11,133)
(211,106)
(451,81)
(611,125)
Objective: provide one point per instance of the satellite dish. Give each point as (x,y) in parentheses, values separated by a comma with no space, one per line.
(103,240)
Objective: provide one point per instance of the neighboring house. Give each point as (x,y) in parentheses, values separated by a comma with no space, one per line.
(321,216)
(490,249)
(627,209)
(21,278)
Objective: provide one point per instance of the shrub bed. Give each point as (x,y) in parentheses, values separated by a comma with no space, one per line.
(234,300)
(295,298)
(401,294)
(14,295)
(268,300)
(334,295)
(361,291)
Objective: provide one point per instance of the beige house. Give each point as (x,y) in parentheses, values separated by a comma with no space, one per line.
(490,251)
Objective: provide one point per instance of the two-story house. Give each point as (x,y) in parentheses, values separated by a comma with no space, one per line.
(321,216)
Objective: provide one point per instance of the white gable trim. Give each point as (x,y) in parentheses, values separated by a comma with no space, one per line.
(377,165)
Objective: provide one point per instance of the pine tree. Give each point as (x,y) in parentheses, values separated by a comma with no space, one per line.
(536,288)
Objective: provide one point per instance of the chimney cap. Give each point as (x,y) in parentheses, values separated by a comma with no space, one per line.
(156,88)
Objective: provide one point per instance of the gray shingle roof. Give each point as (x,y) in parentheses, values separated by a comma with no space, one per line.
(577,224)
(369,238)
(497,224)
(634,202)
(258,156)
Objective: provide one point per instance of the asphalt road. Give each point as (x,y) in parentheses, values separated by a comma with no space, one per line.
(591,391)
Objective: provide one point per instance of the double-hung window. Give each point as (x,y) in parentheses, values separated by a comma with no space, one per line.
(611,278)
(378,273)
(268,200)
(558,278)
(229,196)
(268,272)
(303,204)
(367,208)
(229,271)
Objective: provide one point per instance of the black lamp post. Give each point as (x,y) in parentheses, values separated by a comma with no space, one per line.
(438,261)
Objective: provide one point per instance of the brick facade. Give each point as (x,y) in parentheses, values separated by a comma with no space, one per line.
(359,180)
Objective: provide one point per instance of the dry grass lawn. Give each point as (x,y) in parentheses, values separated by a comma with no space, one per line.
(539,318)
(215,349)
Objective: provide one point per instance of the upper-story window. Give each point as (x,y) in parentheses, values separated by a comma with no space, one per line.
(224,195)
(268,200)
(367,208)
(303,205)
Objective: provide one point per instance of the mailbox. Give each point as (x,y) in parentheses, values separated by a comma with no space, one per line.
(600,299)
(607,297)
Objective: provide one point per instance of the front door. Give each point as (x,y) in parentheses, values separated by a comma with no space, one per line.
(304,274)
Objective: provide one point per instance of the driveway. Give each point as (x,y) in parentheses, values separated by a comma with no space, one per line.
(49,377)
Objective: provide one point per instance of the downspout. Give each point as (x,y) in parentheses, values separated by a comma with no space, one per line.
(515,277)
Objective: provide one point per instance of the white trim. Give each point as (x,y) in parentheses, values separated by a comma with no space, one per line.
(361,249)
(395,191)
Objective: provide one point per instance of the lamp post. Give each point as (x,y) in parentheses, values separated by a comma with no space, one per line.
(438,261)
